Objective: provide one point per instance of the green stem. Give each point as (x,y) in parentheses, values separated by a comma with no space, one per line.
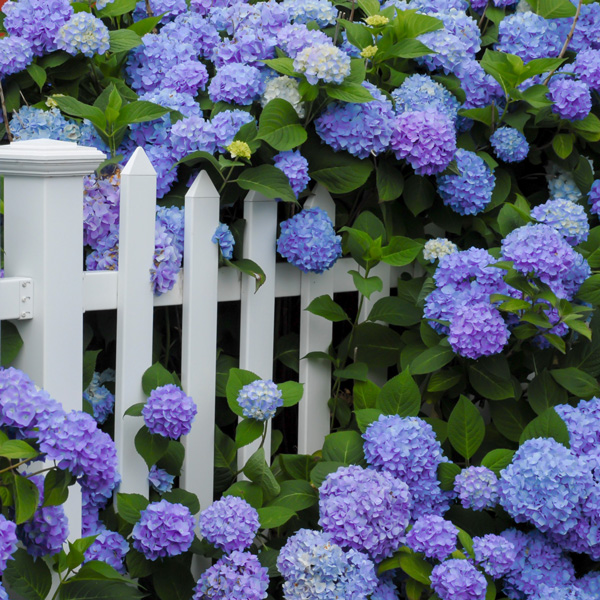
(13,467)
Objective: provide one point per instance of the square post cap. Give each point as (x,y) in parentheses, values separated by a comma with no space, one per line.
(48,158)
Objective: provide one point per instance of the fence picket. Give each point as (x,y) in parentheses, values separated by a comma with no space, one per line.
(134,312)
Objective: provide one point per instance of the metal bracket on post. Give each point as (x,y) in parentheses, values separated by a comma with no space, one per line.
(16,298)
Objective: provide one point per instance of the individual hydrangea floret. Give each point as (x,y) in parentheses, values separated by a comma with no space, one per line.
(425,139)
(594,197)
(100,399)
(164,529)
(457,579)
(494,554)
(15,55)
(434,536)
(169,412)
(587,67)
(237,575)
(365,509)
(260,400)
(230,524)
(224,238)
(471,191)
(509,144)
(568,218)
(109,547)
(83,33)
(572,99)
(312,564)
(309,242)
(8,541)
(295,168)
(529,36)
(286,88)
(160,480)
(236,83)
(438,248)
(477,488)
(322,62)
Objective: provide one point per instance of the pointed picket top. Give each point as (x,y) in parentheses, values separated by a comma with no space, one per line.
(321,198)
(139,164)
(203,187)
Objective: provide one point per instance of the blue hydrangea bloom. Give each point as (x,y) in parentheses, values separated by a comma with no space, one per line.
(226,125)
(109,547)
(8,541)
(583,423)
(237,575)
(386,589)
(586,34)
(365,509)
(295,168)
(590,583)
(494,554)
(160,480)
(438,248)
(192,134)
(83,34)
(260,400)
(509,144)
(450,51)
(429,6)
(480,88)
(457,579)
(572,99)
(164,529)
(314,566)
(236,84)
(15,55)
(322,62)
(309,242)
(105,257)
(464,27)
(562,184)
(37,21)
(101,199)
(587,67)
(100,399)
(594,197)
(292,39)
(192,28)
(3,594)
(568,218)
(224,238)
(169,412)
(304,11)
(171,8)
(29,123)
(172,218)
(425,139)
(167,260)
(556,593)
(471,191)
(477,488)
(230,524)
(529,36)
(433,536)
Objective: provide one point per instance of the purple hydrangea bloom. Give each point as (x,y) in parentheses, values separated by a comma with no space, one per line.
(37,21)
(236,84)
(101,198)
(8,541)
(171,8)
(360,129)
(322,62)
(594,197)
(192,28)
(186,77)
(15,55)
(365,509)
(164,529)
(572,99)
(173,220)
(429,6)
(426,139)
(224,238)
(260,400)
(386,589)
(572,593)
(494,554)
(568,218)
(471,191)
(105,256)
(83,34)
(292,39)
(168,248)
(246,48)
(295,168)
(509,144)
(169,412)
(434,536)
(230,524)
(226,125)
(590,583)
(192,134)
(586,34)
(237,575)
(545,485)
(529,36)
(449,51)
(587,67)
(313,566)
(304,11)
(160,480)
(477,488)
(457,579)
(480,88)
(309,242)
(100,399)
(109,547)
(583,423)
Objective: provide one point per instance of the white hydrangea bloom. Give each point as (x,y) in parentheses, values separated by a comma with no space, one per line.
(435,249)
(286,88)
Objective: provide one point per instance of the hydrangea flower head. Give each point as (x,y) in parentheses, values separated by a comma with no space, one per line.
(309,242)
(295,168)
(594,197)
(241,149)
(29,123)
(236,83)
(109,547)
(590,583)
(286,88)
(449,51)
(438,248)
(322,62)
(260,400)
(477,488)
(587,67)
(568,218)
(494,554)
(160,479)
(169,412)
(224,238)
(230,524)
(529,36)
(100,399)
(369,51)
(509,144)
(171,8)
(386,589)
(425,139)
(15,55)
(572,593)
(462,26)
(101,199)
(480,88)
(562,184)
(583,423)
(83,34)
(320,11)
(191,135)
(434,536)
(457,579)
(8,541)
(292,39)
(226,125)
(164,529)
(364,509)
(572,99)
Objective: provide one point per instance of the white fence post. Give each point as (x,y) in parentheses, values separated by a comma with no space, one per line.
(258,308)
(43,239)
(315,335)
(199,350)
(135,309)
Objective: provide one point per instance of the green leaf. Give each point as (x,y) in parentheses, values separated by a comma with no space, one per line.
(440,428)
(268,181)
(377,345)
(86,589)
(419,194)
(10,343)
(247,431)
(400,396)
(577,382)
(349,92)
(172,580)
(357,370)
(324,306)
(73,107)
(26,498)
(322,469)
(123,40)
(225,451)
(56,487)
(145,25)
(414,589)
(390,182)
(401,251)
(553,9)
(285,66)
(38,74)
(418,568)
(497,459)
(154,377)
(446,473)
(180,496)
(547,425)
(194,157)
(501,67)
(137,564)
(370,7)
(411,24)
(366,285)
(298,466)
(249,267)
(150,446)
(129,507)
(140,111)
(490,377)
(238,378)
(135,410)
(511,417)
(466,428)
(431,360)
(17,449)
(271,517)
(510,218)
(358,34)
(280,127)
(395,311)
(562,144)
(444,380)
(344,447)
(117,8)
(89,366)
(28,577)
(296,495)
(250,492)
(590,290)
(366,416)
(365,394)
(543,393)
(257,470)
(486,115)
(291,392)
(408,49)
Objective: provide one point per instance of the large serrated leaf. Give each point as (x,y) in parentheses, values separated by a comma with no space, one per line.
(466,428)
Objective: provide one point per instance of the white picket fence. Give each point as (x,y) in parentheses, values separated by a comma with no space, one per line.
(45,291)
